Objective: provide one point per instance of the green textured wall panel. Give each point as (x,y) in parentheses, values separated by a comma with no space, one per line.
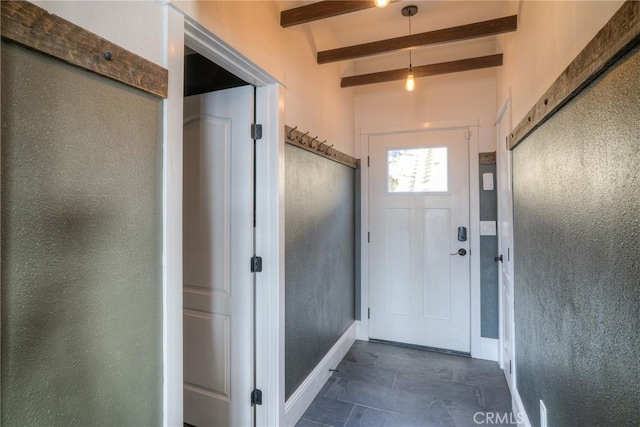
(319,259)
(576,184)
(81,247)
(489,269)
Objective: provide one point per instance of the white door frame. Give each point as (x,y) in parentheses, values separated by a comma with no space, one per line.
(504,192)
(181,30)
(479,347)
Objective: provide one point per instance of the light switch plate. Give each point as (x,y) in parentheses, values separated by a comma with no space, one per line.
(488,228)
(487,181)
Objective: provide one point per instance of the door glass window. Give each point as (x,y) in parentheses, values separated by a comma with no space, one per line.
(421,170)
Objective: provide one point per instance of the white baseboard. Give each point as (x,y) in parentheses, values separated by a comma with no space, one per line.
(517,407)
(487,349)
(362,330)
(300,400)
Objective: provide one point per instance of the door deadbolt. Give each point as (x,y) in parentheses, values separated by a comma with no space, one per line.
(461,252)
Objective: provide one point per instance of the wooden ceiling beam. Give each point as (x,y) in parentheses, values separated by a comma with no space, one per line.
(321,10)
(424,70)
(446,35)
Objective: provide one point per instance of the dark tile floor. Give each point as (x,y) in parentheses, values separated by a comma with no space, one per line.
(385,385)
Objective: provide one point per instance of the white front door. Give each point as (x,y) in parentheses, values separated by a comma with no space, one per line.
(505,248)
(419,193)
(218,245)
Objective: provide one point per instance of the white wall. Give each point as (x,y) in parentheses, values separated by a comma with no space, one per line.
(314,100)
(134,25)
(438,98)
(550,35)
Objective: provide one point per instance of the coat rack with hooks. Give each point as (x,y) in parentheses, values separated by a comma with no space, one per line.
(310,143)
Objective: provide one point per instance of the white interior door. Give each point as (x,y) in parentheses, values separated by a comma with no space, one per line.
(419,196)
(505,248)
(218,245)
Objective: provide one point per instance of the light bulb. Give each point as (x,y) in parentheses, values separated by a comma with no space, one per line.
(411,83)
(382,3)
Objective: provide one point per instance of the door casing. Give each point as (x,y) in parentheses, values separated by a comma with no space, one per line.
(481,348)
(183,31)
(413,320)
(505,243)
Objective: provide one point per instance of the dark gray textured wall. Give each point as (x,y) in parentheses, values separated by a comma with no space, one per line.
(319,259)
(577,257)
(81,247)
(358,246)
(488,267)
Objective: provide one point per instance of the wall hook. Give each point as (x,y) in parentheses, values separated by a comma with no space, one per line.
(290,132)
(326,150)
(301,138)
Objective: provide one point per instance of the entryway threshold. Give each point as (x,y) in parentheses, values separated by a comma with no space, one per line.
(422,347)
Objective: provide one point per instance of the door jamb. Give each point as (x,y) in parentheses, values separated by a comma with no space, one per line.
(506,107)
(172,360)
(181,30)
(474,220)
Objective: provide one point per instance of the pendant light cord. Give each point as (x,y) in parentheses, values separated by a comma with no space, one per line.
(410,65)
(409,11)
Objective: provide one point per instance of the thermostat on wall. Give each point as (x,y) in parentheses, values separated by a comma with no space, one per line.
(487,181)
(488,228)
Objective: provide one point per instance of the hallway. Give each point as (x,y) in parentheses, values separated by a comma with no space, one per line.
(384,385)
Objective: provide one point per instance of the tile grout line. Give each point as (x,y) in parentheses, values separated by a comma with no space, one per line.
(350,414)
(377,409)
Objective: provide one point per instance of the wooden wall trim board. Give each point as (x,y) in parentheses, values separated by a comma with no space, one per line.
(616,38)
(314,145)
(445,35)
(487,158)
(35,28)
(424,70)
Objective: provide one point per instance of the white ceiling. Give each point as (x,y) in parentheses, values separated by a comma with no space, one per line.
(377,24)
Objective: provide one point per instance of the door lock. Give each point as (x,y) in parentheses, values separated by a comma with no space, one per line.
(461,252)
(462,234)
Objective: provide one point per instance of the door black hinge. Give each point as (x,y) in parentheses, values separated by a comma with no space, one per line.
(256,131)
(368,161)
(256,264)
(509,365)
(368,237)
(256,397)
(368,313)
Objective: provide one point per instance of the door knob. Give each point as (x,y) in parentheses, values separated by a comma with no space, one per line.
(498,258)
(461,252)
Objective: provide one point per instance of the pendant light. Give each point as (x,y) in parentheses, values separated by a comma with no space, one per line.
(382,3)
(410,84)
